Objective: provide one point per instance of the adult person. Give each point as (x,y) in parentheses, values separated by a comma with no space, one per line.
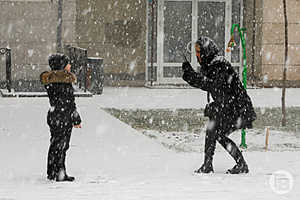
(231,108)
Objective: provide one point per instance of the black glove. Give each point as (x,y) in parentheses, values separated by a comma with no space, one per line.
(186,66)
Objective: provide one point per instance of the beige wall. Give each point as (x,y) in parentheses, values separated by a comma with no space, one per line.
(272,50)
(115,31)
(29,29)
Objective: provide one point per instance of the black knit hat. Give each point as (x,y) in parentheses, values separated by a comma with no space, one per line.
(58,61)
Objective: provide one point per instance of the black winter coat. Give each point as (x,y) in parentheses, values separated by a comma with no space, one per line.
(63,113)
(232,107)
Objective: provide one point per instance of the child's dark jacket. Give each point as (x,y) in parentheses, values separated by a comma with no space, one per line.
(63,113)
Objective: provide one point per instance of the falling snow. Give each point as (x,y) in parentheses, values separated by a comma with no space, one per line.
(112,159)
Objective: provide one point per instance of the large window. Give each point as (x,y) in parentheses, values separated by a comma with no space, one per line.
(174,26)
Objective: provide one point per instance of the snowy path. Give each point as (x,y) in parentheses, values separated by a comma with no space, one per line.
(113,161)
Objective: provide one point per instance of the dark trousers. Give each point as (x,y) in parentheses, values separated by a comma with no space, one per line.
(216,132)
(59,144)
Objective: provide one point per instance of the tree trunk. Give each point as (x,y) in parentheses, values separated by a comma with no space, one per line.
(253,77)
(59,27)
(283,122)
(152,41)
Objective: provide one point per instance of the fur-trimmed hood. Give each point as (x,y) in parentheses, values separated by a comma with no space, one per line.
(57,76)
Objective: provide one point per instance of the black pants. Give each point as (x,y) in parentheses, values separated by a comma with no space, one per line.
(216,132)
(59,144)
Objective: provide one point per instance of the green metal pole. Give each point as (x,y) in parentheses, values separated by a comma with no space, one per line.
(242,32)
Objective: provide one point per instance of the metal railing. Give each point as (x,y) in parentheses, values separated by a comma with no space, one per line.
(7,53)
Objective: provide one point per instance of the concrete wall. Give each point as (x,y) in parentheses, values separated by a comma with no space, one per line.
(115,31)
(29,29)
(272,51)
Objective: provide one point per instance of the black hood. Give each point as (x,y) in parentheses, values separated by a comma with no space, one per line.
(208,50)
(58,61)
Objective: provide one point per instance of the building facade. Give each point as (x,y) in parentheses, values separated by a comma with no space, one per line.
(29,29)
(270,40)
(142,41)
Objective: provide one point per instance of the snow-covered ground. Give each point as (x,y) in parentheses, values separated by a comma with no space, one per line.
(113,161)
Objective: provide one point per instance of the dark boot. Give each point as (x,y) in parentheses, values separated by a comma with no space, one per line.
(62,176)
(207,166)
(233,150)
(51,178)
(241,166)
(238,169)
(209,150)
(66,178)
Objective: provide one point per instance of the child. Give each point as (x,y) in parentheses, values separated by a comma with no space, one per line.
(62,116)
(231,109)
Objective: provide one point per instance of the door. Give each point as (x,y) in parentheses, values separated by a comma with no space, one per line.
(179,24)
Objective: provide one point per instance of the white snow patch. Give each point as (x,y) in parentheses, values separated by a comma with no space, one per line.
(86,11)
(30,52)
(132,65)
(268,56)
(265,78)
